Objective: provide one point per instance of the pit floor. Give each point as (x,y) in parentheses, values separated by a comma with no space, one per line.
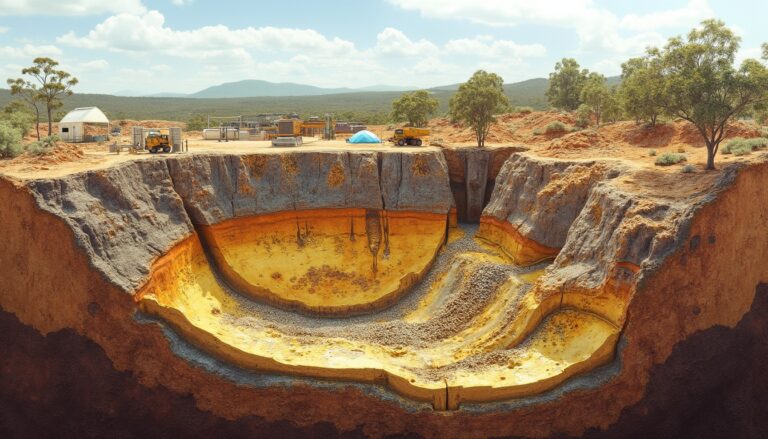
(459,335)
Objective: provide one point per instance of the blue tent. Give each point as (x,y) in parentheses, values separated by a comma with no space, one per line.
(364,136)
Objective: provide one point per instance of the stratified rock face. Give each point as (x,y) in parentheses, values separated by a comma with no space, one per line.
(218,188)
(415,182)
(617,228)
(473,174)
(127,216)
(676,264)
(540,197)
(122,217)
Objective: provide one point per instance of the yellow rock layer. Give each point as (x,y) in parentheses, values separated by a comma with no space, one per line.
(184,292)
(333,261)
(522,250)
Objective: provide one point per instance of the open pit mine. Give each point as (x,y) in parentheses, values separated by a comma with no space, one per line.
(439,292)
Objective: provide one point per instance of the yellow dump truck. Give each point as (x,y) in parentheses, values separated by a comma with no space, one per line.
(410,136)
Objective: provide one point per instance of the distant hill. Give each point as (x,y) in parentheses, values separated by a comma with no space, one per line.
(250,88)
(364,106)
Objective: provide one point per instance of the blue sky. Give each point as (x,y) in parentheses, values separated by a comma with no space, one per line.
(149,46)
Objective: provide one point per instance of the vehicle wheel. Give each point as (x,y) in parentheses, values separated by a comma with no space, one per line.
(166,149)
(400,142)
(153,151)
(418,142)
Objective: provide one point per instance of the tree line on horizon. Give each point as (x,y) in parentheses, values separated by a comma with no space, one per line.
(692,78)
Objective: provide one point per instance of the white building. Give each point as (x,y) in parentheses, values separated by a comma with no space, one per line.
(87,124)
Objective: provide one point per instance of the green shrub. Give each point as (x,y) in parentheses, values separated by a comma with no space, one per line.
(537,132)
(197,122)
(745,146)
(669,158)
(583,116)
(688,169)
(556,127)
(20,120)
(652,153)
(731,144)
(757,143)
(43,146)
(10,140)
(742,149)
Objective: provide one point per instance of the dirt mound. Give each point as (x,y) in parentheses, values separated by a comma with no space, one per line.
(662,135)
(126,124)
(580,141)
(61,153)
(509,128)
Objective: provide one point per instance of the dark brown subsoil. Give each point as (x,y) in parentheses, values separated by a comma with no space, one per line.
(62,385)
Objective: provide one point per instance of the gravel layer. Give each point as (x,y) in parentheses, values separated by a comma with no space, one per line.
(467,287)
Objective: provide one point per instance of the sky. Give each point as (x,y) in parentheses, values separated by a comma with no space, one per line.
(150,46)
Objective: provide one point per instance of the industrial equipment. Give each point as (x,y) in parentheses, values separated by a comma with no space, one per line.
(289,132)
(409,136)
(157,141)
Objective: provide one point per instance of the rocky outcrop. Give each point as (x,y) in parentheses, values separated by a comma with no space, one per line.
(216,188)
(540,198)
(123,217)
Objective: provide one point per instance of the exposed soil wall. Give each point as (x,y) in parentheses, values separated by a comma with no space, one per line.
(692,268)
(216,188)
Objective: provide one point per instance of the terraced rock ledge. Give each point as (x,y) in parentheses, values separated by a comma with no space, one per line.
(342,283)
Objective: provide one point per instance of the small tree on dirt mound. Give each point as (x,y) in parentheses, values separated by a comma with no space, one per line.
(477,101)
(596,94)
(53,85)
(565,84)
(702,86)
(613,110)
(415,107)
(642,89)
(28,93)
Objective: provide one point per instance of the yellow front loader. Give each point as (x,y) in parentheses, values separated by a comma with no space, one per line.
(157,141)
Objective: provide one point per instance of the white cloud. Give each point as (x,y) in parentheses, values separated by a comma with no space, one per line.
(28,51)
(690,15)
(596,28)
(148,32)
(3,29)
(181,2)
(69,7)
(92,66)
(748,52)
(487,47)
(392,41)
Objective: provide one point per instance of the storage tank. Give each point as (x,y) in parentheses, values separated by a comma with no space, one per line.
(221,134)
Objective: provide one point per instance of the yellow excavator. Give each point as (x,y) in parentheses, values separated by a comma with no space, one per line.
(157,141)
(409,136)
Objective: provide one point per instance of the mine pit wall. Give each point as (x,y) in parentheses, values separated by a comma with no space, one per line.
(60,275)
(661,268)
(473,174)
